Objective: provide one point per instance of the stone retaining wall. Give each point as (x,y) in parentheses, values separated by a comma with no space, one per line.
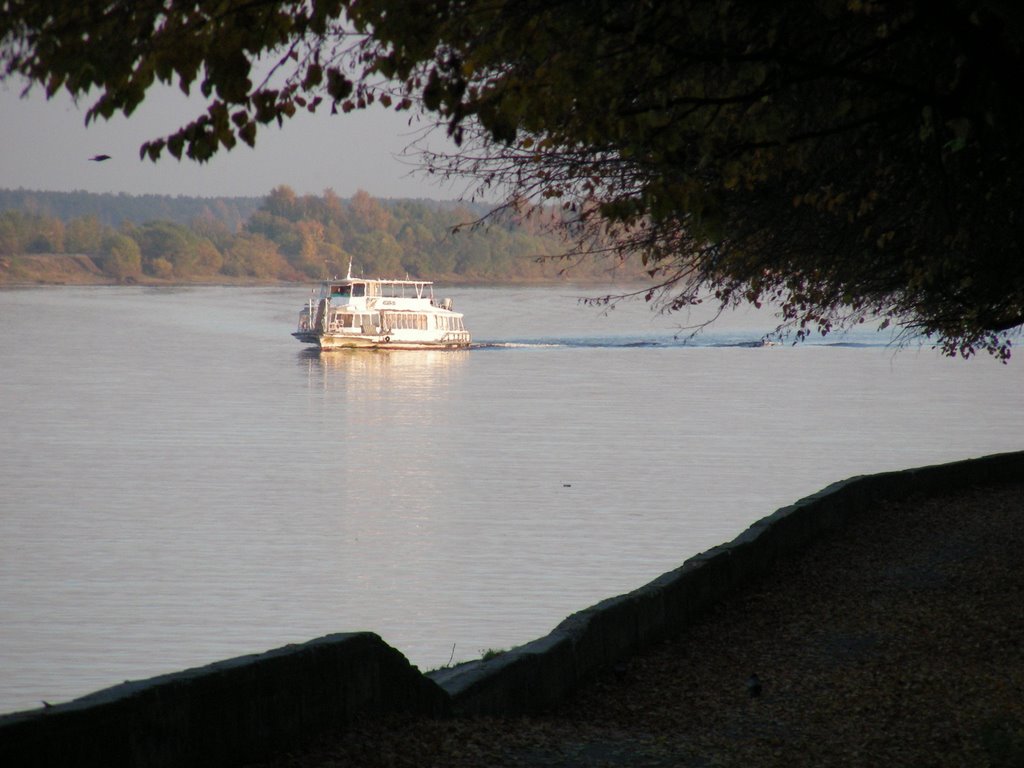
(226,713)
(247,708)
(540,674)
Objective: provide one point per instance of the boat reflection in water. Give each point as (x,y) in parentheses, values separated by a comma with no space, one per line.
(408,373)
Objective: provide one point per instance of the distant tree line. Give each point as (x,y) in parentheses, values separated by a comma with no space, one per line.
(292,237)
(115,209)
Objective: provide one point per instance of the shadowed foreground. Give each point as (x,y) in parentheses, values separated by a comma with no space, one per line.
(899,641)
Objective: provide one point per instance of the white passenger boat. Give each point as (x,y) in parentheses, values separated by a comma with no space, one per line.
(353,312)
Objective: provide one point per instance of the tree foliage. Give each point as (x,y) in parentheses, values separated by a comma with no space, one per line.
(843,158)
(308,237)
(115,209)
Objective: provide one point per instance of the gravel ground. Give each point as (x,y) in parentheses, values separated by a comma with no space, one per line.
(899,642)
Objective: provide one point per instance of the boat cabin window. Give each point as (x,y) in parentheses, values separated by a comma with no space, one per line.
(450,323)
(404,320)
(368,323)
(348,291)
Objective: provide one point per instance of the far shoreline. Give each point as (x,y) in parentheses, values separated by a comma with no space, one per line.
(79,270)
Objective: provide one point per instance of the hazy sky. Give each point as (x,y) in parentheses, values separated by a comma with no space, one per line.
(44,145)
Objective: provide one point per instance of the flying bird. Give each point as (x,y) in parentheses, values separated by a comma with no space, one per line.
(99,158)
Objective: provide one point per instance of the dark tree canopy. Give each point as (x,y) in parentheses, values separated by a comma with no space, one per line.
(846,159)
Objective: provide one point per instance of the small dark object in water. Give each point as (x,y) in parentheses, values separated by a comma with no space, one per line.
(99,158)
(754,686)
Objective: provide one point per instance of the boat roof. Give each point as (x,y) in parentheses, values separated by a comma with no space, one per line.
(383,280)
(349,279)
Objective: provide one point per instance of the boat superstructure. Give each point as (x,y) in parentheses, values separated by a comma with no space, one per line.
(352,312)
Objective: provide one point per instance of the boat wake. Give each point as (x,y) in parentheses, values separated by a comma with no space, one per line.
(721,341)
(568,343)
(597,343)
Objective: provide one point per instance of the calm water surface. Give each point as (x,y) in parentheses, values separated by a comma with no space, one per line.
(182,482)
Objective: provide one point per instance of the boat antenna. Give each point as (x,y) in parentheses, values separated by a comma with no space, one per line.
(349,268)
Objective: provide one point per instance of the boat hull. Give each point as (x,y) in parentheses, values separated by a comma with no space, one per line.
(331,342)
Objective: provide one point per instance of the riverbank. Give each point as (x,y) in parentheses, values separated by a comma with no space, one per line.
(59,269)
(56,269)
(895,641)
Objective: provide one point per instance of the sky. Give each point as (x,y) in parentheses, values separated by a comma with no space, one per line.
(45,145)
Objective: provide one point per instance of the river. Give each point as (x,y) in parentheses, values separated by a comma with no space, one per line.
(182,482)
